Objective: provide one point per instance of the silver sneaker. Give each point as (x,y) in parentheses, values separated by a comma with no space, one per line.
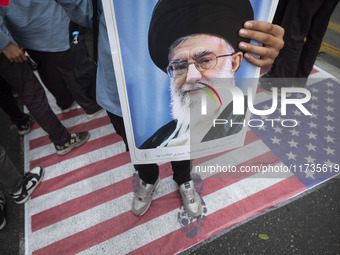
(143,197)
(190,198)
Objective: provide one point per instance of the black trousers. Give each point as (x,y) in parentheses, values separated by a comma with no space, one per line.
(150,172)
(9,105)
(20,77)
(301,19)
(56,72)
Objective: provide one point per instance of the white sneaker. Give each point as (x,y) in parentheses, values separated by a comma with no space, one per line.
(190,198)
(143,197)
(31,181)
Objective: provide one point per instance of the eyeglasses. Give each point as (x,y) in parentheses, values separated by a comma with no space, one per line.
(179,68)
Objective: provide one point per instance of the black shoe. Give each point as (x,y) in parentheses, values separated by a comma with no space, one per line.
(2,211)
(67,109)
(25,127)
(92,113)
(31,181)
(77,139)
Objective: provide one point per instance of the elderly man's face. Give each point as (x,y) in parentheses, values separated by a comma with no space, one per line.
(185,90)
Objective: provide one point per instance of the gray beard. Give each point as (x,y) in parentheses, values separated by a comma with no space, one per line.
(187,108)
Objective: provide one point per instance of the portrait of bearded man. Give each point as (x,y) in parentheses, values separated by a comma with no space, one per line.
(203,58)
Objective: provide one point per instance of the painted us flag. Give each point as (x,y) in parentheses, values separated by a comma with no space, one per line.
(310,150)
(83,205)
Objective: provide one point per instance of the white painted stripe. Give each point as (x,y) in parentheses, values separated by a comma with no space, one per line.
(49,149)
(143,234)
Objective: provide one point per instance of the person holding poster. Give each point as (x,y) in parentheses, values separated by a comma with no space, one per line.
(195,42)
(107,94)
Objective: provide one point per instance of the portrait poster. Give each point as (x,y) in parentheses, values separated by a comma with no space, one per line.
(148,105)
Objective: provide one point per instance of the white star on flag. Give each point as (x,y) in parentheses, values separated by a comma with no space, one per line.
(311,135)
(329,151)
(329,100)
(275,140)
(329,118)
(329,92)
(329,163)
(314,106)
(312,125)
(329,139)
(294,132)
(309,174)
(278,130)
(310,160)
(311,147)
(329,128)
(290,156)
(292,143)
(329,109)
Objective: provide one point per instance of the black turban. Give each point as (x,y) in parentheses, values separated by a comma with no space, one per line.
(173,19)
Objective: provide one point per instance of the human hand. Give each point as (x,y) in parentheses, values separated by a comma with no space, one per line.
(270,35)
(14,53)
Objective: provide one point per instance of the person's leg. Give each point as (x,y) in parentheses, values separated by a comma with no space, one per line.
(181,171)
(21,77)
(318,29)
(62,64)
(297,22)
(148,174)
(118,124)
(8,104)
(22,120)
(190,198)
(19,187)
(52,80)
(2,211)
(280,11)
(9,176)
